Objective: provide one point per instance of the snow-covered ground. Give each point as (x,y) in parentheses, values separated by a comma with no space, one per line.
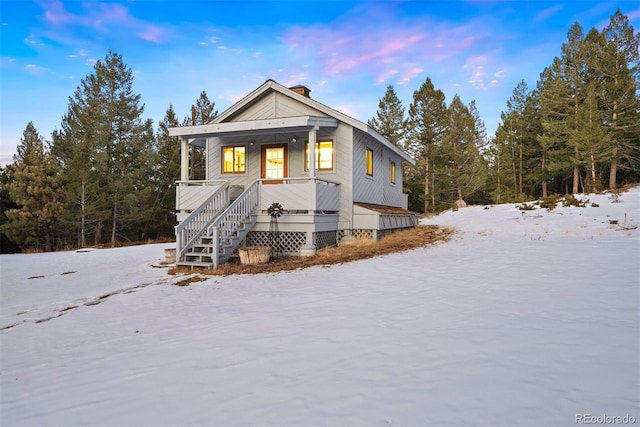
(523,318)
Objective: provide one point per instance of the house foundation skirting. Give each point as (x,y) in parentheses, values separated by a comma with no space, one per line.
(292,241)
(369,234)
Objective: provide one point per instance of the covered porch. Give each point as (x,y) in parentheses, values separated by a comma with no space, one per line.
(271,152)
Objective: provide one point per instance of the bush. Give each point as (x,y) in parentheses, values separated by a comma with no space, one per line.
(571,200)
(527,207)
(550,202)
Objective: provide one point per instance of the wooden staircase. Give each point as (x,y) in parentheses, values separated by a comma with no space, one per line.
(210,234)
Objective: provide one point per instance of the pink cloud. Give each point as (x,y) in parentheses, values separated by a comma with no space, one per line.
(409,75)
(386,75)
(103,18)
(380,46)
(153,34)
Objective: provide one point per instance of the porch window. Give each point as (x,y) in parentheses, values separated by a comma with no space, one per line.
(234,159)
(324,156)
(369,161)
(392,171)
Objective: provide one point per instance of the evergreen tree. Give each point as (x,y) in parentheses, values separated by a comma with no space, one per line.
(561,97)
(462,165)
(202,112)
(7,246)
(167,172)
(106,150)
(36,190)
(389,120)
(425,128)
(617,73)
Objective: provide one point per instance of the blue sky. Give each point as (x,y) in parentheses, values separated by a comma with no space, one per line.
(346,52)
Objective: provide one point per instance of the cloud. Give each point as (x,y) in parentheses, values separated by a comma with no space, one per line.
(477,73)
(410,74)
(6,61)
(107,19)
(544,14)
(153,34)
(378,43)
(229,49)
(386,75)
(35,69)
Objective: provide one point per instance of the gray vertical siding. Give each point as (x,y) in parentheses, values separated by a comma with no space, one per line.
(378,188)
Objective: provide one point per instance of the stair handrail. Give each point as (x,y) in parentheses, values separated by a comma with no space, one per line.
(227,223)
(198,221)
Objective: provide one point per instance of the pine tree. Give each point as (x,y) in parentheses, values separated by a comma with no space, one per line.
(389,120)
(36,190)
(7,246)
(425,128)
(561,96)
(462,163)
(106,150)
(202,112)
(167,172)
(617,73)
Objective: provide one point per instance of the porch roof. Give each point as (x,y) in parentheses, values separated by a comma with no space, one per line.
(253,127)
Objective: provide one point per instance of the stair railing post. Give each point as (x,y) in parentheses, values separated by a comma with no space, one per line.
(216,247)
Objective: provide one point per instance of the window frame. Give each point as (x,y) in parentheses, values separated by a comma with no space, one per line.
(233,163)
(368,161)
(392,172)
(318,168)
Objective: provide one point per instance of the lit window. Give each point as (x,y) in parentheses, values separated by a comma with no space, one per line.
(233,159)
(369,162)
(324,156)
(392,171)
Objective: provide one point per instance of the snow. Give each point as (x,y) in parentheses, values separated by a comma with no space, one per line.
(523,318)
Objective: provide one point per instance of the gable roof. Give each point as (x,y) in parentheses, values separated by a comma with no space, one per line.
(272,85)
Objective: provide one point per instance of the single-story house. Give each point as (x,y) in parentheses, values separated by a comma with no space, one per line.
(264,183)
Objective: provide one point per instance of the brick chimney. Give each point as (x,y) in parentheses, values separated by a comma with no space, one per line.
(302,90)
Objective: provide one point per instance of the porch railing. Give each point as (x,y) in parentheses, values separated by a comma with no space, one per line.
(196,224)
(303,193)
(225,229)
(191,194)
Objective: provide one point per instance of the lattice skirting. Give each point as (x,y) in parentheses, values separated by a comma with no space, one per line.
(324,239)
(368,234)
(359,233)
(292,241)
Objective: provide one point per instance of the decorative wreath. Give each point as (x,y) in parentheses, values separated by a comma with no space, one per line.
(275,210)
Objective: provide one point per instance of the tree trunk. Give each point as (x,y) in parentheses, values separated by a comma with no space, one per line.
(426,186)
(544,172)
(97,238)
(83,239)
(576,173)
(113,222)
(499,190)
(520,171)
(47,241)
(613,171)
(515,175)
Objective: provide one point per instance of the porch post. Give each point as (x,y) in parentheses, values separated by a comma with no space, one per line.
(312,151)
(184,159)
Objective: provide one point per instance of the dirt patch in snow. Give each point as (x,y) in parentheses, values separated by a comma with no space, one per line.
(419,236)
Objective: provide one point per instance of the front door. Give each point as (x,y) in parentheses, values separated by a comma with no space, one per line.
(274,163)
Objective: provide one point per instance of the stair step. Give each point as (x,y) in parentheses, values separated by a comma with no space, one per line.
(195,264)
(198,258)
(203,246)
